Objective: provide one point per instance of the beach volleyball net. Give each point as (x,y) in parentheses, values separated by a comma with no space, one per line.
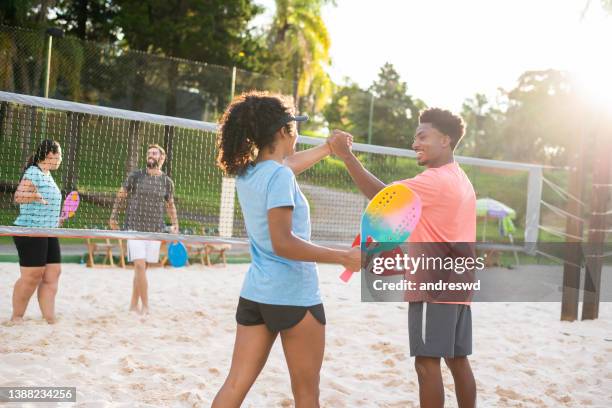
(103,146)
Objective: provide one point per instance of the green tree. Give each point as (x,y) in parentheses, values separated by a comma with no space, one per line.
(23,51)
(394,115)
(483,129)
(348,110)
(93,20)
(299,40)
(540,119)
(213,31)
(25,13)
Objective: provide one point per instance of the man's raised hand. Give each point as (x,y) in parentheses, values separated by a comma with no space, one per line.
(340,143)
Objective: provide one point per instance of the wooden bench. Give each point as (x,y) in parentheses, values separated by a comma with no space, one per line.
(204,252)
(106,248)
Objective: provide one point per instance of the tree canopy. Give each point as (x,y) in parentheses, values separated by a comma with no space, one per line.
(191,46)
(394,111)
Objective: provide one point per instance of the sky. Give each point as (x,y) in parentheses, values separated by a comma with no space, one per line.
(448,50)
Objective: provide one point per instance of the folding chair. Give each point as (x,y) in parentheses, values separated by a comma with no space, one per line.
(219,249)
(105,248)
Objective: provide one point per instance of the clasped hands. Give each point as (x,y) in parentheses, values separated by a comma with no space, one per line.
(340,143)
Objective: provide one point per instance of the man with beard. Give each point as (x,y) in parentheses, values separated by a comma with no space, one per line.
(146,192)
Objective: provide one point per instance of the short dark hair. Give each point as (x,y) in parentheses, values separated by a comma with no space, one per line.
(158,147)
(446,122)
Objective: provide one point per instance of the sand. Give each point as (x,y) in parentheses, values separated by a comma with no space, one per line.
(179,355)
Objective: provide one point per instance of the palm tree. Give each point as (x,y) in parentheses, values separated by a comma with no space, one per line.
(299,39)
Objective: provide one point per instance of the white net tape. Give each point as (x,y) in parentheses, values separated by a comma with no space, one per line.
(105,148)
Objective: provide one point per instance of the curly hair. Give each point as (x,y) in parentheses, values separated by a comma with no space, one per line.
(245,128)
(446,122)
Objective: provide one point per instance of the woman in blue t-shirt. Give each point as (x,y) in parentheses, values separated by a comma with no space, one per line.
(39,201)
(280,294)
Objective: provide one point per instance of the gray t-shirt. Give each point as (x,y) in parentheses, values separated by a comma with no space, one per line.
(146,200)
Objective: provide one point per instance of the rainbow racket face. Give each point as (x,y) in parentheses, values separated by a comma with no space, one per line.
(387,221)
(391,216)
(71,203)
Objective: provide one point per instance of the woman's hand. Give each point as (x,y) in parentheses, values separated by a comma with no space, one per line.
(26,193)
(40,199)
(114,225)
(352,259)
(340,143)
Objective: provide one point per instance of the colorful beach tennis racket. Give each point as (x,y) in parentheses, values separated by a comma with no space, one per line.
(177,254)
(71,203)
(388,220)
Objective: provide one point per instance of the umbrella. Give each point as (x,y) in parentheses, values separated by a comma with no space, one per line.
(488,207)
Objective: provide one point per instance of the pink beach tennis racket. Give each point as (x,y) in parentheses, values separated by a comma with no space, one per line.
(71,203)
(389,219)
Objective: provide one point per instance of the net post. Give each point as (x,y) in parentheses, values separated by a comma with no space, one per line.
(226,209)
(48,64)
(597,226)
(532,217)
(573,228)
(50,33)
(233,85)
(370,118)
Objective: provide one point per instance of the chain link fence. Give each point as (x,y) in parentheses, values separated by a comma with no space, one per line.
(109,75)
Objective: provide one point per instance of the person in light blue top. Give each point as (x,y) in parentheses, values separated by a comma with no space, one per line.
(273,279)
(45,212)
(39,201)
(280,294)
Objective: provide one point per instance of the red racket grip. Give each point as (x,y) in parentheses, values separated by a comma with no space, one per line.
(346,275)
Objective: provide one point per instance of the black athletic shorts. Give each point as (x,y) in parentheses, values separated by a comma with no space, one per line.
(38,251)
(275,317)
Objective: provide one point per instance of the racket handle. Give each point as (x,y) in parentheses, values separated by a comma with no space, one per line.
(346,275)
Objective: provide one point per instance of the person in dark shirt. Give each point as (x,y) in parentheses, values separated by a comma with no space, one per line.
(144,195)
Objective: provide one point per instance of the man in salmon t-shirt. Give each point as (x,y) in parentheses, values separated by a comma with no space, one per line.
(436,330)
